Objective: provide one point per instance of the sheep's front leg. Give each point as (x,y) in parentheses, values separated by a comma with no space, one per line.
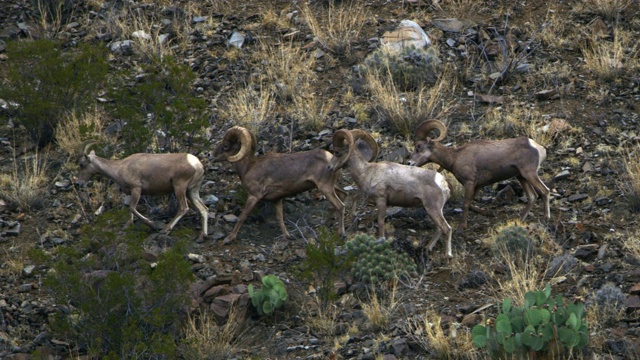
(279,205)
(251,203)
(135,197)
(381,204)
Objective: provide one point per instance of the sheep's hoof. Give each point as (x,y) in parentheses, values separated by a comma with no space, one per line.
(200,239)
(227,240)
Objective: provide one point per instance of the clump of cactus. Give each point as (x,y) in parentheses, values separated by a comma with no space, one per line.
(543,325)
(610,301)
(375,260)
(517,241)
(561,265)
(410,70)
(270,297)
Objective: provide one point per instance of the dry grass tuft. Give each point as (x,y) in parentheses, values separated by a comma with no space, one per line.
(27,183)
(631,245)
(609,59)
(205,339)
(609,9)
(631,185)
(404,111)
(430,334)
(380,311)
(78,128)
(339,28)
(250,108)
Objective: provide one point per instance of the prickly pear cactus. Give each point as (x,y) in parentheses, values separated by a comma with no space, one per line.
(270,297)
(543,325)
(375,260)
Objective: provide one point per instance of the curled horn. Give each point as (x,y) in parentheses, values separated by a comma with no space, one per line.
(342,138)
(423,130)
(361,134)
(86,146)
(247,142)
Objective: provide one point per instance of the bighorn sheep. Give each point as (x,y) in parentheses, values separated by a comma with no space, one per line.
(152,174)
(276,176)
(388,183)
(484,162)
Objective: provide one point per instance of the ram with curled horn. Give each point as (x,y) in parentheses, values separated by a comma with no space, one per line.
(151,174)
(484,162)
(392,184)
(275,176)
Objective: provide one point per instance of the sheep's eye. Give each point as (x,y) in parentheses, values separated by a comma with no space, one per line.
(226,147)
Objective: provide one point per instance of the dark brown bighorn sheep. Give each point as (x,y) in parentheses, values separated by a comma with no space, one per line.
(392,184)
(151,174)
(484,162)
(275,176)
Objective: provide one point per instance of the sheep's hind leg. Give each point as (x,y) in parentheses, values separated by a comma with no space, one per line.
(194,197)
(279,205)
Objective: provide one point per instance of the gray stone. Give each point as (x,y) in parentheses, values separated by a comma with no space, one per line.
(124,47)
(230,218)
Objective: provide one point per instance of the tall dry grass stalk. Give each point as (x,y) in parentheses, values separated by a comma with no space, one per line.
(404,111)
(378,310)
(204,339)
(144,27)
(27,183)
(250,108)
(522,278)
(429,333)
(609,9)
(608,59)
(78,128)
(631,185)
(339,28)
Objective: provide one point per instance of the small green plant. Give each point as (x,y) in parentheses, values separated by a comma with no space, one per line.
(543,325)
(516,241)
(375,260)
(270,297)
(323,265)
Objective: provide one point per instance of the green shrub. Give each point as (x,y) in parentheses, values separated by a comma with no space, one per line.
(517,241)
(158,107)
(46,83)
(270,297)
(114,304)
(375,260)
(543,325)
(323,264)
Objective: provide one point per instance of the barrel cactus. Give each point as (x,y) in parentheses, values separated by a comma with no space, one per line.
(375,260)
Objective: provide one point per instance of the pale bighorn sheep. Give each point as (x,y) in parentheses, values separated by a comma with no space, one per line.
(484,162)
(152,174)
(275,176)
(392,184)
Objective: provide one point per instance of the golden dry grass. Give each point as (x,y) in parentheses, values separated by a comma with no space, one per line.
(609,9)
(631,184)
(608,59)
(27,182)
(250,108)
(76,129)
(339,27)
(430,334)
(406,110)
(205,339)
(380,309)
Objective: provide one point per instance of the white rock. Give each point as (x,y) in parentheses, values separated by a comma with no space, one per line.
(407,34)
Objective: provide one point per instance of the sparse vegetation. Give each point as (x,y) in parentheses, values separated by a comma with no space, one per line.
(24,187)
(205,339)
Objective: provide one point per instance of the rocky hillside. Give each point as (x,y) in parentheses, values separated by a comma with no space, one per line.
(176,75)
